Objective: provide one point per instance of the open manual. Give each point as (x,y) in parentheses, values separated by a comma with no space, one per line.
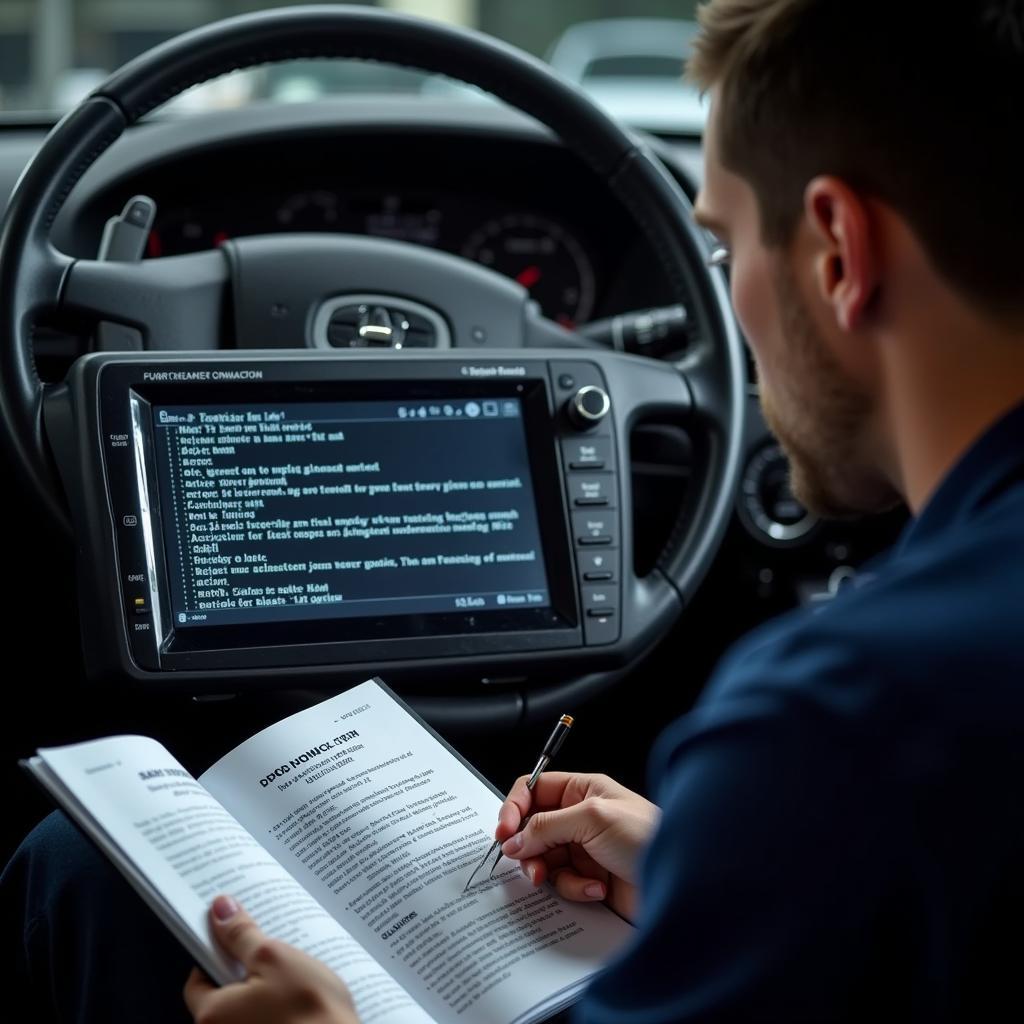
(348,830)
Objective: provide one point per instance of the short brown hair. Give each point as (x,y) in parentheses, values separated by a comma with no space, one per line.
(915,103)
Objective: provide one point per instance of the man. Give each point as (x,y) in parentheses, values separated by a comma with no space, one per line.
(841,828)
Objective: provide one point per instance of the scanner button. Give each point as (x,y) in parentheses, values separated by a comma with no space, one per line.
(595,566)
(595,528)
(587,453)
(599,601)
(600,629)
(591,489)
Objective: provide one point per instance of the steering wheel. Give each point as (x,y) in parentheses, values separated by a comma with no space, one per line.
(183,302)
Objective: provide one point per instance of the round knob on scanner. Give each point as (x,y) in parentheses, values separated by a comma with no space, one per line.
(589,406)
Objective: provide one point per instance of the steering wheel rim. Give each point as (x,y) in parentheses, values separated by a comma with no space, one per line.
(33,272)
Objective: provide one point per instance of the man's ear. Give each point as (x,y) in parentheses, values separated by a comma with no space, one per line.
(846,270)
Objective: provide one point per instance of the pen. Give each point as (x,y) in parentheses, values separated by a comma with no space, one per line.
(555,741)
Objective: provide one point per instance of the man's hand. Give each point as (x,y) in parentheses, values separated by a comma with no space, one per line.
(585,835)
(282,985)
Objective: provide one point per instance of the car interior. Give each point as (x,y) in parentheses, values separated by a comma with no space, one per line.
(359,276)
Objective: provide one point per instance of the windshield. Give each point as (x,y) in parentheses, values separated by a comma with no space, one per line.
(628,55)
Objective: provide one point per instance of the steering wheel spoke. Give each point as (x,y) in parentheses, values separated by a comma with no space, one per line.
(176,303)
(51,270)
(710,401)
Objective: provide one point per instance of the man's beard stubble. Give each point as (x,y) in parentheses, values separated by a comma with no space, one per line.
(821,419)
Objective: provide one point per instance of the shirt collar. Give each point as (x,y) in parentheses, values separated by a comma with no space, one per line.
(996,458)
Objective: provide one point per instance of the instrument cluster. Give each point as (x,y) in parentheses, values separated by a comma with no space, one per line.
(533,247)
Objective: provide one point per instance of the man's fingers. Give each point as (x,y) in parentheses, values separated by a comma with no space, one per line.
(540,869)
(241,1001)
(535,869)
(552,789)
(572,886)
(282,983)
(548,829)
(567,881)
(198,989)
(583,864)
(510,814)
(236,932)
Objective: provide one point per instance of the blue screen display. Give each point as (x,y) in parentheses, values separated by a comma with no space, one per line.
(354,509)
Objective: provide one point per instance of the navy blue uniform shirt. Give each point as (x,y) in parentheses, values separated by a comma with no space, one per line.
(843,829)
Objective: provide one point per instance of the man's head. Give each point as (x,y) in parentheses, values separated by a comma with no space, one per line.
(862,168)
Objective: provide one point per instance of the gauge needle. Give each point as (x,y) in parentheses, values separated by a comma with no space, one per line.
(529,276)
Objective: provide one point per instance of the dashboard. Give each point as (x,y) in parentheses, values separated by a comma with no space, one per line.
(533,247)
(488,185)
(525,209)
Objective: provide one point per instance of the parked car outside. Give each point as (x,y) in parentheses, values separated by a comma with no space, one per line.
(633,68)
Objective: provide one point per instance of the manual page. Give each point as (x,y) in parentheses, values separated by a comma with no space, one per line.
(382,824)
(179,847)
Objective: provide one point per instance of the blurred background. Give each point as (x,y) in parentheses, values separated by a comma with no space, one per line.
(627,54)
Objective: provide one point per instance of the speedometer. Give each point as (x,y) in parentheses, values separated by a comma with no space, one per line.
(544,258)
(316,210)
